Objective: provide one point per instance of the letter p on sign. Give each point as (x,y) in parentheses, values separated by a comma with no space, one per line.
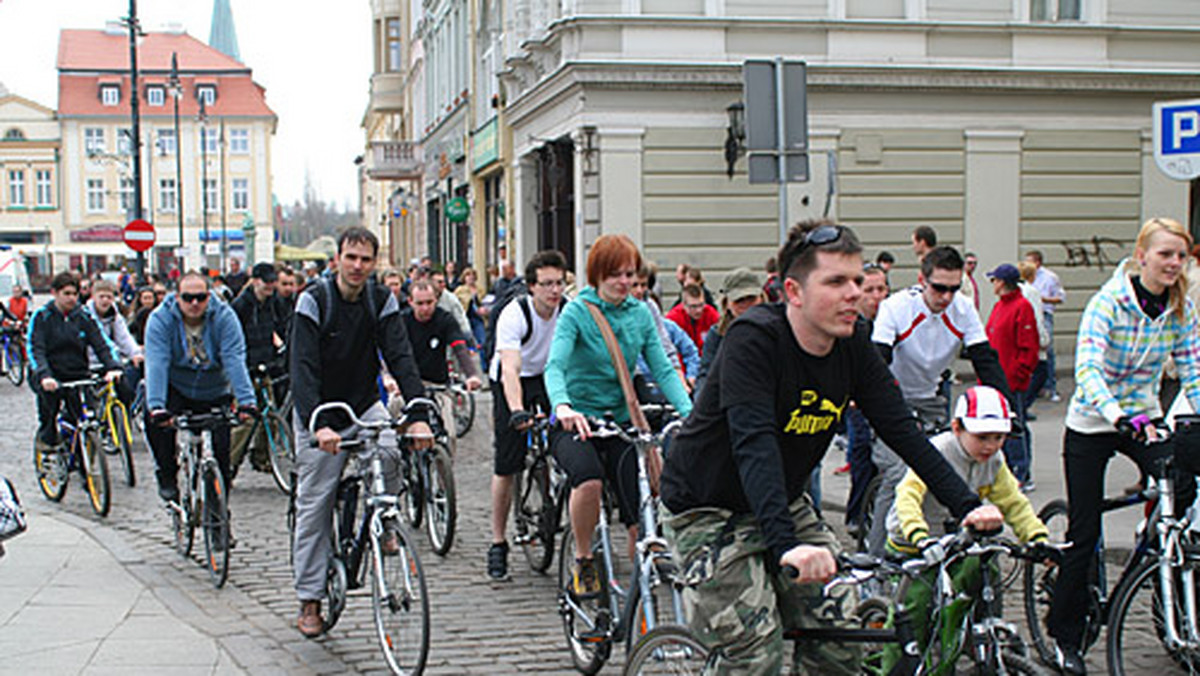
(1186,125)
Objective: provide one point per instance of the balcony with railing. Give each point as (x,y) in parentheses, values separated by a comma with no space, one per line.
(394,160)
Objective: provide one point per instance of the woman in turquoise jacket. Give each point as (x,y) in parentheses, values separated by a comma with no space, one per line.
(581,381)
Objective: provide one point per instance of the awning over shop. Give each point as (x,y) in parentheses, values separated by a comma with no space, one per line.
(283,252)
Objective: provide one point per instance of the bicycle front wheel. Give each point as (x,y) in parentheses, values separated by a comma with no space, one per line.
(122,438)
(400,602)
(50,466)
(282,448)
(464,411)
(667,649)
(534,516)
(183,523)
(1040,581)
(14,363)
(586,621)
(1138,605)
(214,523)
(442,502)
(96,472)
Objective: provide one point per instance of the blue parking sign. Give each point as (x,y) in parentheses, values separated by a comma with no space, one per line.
(1177,138)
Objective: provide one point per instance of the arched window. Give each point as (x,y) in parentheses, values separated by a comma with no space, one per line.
(14,134)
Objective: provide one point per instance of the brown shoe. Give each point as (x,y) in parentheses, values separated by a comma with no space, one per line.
(310,623)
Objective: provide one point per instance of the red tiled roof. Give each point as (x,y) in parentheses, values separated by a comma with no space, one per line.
(237,95)
(92,50)
(82,54)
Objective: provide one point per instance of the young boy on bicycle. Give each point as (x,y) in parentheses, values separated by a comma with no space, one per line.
(982,421)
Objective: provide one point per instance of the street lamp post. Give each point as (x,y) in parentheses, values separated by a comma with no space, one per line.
(204,180)
(177,93)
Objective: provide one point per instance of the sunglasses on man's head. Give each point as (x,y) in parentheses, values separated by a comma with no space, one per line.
(945,288)
(193,297)
(825,234)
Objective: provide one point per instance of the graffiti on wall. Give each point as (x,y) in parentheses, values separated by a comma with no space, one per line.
(1098,252)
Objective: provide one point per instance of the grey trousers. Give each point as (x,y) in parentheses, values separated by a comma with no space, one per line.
(317,479)
(932,411)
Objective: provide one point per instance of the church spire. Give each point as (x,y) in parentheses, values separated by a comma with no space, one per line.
(223,36)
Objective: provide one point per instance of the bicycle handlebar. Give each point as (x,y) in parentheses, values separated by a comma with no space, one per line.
(418,402)
(609,427)
(199,421)
(76,384)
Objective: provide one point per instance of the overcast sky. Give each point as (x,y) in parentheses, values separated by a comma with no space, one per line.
(313,58)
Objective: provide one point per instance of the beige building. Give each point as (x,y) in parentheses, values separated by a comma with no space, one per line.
(30,193)
(219,163)
(1007,125)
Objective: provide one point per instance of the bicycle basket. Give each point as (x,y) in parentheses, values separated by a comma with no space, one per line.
(1187,443)
(12,515)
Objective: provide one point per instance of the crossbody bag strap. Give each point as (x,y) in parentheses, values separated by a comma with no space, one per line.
(618,360)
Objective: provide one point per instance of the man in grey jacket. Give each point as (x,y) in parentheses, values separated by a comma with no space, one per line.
(102,307)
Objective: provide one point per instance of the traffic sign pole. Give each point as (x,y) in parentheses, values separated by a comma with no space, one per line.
(781,148)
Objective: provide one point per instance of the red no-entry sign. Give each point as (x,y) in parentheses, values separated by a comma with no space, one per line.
(139,235)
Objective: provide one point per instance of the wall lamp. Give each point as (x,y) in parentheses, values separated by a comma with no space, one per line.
(735,135)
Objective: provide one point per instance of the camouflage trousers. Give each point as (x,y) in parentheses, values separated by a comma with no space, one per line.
(735,601)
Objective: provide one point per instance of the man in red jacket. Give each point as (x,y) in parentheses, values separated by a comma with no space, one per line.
(693,315)
(1012,332)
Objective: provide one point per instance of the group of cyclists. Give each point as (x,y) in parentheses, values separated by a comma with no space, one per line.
(773,384)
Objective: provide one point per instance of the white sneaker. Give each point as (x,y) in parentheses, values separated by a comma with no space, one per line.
(1055,398)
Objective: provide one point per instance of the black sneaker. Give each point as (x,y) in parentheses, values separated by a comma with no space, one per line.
(497,561)
(169,494)
(1070,660)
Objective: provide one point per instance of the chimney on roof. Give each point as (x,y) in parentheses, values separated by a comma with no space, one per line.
(114,27)
(173,27)
(223,36)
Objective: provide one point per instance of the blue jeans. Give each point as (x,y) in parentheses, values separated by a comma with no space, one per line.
(858,454)
(1017,452)
(1051,381)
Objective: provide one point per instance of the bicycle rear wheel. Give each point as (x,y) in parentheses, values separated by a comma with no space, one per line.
(51,469)
(214,523)
(441,501)
(14,363)
(1138,605)
(535,516)
(400,603)
(121,434)
(1040,580)
(464,411)
(667,649)
(586,621)
(96,473)
(868,513)
(281,446)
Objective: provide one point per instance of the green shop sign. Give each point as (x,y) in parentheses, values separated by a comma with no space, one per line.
(485,146)
(457,210)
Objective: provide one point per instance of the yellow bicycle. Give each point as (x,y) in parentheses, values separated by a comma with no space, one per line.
(116,435)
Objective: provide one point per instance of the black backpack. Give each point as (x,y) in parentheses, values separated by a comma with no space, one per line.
(323,290)
(515,291)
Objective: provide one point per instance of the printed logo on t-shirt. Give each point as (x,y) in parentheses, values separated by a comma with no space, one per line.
(433,343)
(815,415)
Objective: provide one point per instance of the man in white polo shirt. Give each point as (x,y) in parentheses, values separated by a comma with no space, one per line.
(920,331)
(524,329)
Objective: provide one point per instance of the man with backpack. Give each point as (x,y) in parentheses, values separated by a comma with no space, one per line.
(524,327)
(343,325)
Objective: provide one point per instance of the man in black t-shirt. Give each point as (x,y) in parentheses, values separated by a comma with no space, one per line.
(734,481)
(431,330)
(342,327)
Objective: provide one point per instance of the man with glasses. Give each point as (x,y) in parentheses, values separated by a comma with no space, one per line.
(195,362)
(734,482)
(921,331)
(524,330)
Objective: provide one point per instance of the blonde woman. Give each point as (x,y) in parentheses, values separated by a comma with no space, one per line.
(1135,321)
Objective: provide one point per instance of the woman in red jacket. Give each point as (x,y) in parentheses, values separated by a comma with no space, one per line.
(1012,332)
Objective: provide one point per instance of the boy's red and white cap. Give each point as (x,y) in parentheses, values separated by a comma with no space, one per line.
(983,409)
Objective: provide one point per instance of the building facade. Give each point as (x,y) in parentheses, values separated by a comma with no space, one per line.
(206,186)
(1007,125)
(30,190)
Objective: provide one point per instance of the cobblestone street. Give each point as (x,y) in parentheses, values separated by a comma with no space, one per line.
(477,626)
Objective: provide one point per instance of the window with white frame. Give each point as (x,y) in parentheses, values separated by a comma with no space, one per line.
(124,142)
(110,95)
(394,56)
(241,194)
(167,195)
(239,141)
(207,94)
(126,194)
(165,141)
(1056,10)
(45,188)
(209,138)
(95,195)
(156,96)
(16,187)
(210,194)
(93,140)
